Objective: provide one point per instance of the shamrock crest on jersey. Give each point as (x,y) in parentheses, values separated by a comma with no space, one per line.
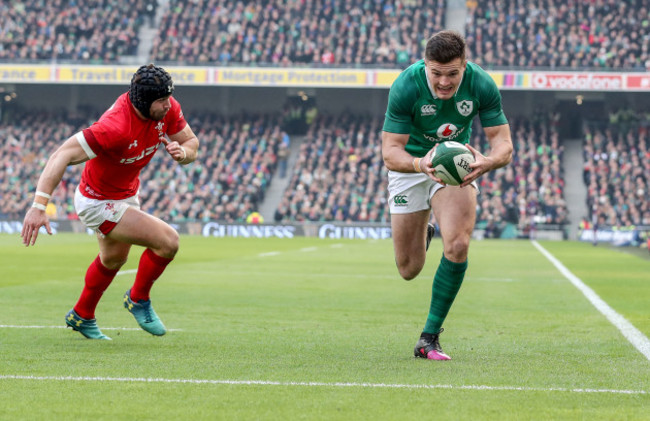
(465,107)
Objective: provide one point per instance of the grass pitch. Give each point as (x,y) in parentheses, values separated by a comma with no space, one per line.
(324,329)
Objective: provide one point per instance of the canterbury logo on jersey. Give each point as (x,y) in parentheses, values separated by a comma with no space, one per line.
(428,109)
(400,200)
(146,152)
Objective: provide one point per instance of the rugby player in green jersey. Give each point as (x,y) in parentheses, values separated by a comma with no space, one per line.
(433,101)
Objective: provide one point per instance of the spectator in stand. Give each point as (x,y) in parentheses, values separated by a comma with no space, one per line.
(530,191)
(218,187)
(27,141)
(95,32)
(339,174)
(278,33)
(617,173)
(227,184)
(557,34)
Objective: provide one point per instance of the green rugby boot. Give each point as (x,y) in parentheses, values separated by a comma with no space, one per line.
(145,315)
(88,328)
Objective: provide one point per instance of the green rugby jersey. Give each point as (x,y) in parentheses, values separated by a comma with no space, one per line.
(413,108)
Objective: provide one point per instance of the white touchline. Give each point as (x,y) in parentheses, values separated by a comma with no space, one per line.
(126,272)
(321,384)
(631,333)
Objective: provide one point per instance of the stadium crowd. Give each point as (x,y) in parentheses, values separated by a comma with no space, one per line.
(530,191)
(274,32)
(350,33)
(559,34)
(94,31)
(617,174)
(340,175)
(228,182)
(27,142)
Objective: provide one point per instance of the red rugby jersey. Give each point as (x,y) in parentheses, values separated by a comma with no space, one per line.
(120,144)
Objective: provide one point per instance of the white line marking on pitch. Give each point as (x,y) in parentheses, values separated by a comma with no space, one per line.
(321,384)
(306,249)
(126,272)
(631,333)
(65,327)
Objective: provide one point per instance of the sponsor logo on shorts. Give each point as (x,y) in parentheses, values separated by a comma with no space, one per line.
(110,207)
(400,200)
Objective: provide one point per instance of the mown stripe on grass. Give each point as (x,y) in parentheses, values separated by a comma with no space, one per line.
(65,327)
(631,333)
(270,253)
(472,278)
(320,384)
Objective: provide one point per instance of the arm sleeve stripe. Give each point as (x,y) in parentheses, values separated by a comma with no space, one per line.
(84,145)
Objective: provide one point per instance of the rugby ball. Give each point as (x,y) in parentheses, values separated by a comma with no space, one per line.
(451,161)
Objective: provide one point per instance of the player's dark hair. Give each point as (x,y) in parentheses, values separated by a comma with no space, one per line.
(148,84)
(445,46)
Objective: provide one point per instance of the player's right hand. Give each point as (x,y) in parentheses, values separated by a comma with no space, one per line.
(34,220)
(427,168)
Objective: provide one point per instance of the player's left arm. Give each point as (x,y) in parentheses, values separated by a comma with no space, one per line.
(500,153)
(183,146)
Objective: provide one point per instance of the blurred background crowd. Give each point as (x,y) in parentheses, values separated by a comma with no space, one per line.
(338,174)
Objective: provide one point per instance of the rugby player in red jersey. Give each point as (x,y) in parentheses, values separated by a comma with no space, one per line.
(115,149)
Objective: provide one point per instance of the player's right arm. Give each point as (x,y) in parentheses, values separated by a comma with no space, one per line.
(393,150)
(397,128)
(69,153)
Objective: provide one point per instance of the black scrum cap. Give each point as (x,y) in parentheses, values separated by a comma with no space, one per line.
(148,84)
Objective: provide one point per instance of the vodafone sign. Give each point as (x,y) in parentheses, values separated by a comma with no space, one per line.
(578,81)
(638,82)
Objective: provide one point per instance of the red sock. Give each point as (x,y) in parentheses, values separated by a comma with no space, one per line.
(98,278)
(150,268)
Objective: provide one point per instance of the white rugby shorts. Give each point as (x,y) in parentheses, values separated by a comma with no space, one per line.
(412,192)
(102,215)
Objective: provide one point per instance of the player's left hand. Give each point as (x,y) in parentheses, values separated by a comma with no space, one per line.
(481,165)
(175,150)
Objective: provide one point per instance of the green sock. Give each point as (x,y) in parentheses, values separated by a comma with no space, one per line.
(446,284)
